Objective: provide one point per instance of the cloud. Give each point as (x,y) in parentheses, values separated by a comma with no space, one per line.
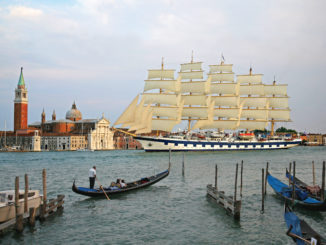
(24,12)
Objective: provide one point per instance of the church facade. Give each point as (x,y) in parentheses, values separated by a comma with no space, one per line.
(69,134)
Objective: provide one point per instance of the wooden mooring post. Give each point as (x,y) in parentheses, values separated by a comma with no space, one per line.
(322,192)
(44,204)
(216,171)
(262,191)
(19,217)
(293,184)
(235,183)
(241,179)
(265,184)
(22,212)
(229,203)
(183,164)
(290,166)
(26,194)
(313,174)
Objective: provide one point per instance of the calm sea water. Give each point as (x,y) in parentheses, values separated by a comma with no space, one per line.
(173,211)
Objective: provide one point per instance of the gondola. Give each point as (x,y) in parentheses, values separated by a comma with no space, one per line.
(138,184)
(301,198)
(299,230)
(311,190)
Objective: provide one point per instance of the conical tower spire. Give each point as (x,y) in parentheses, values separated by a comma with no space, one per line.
(21,81)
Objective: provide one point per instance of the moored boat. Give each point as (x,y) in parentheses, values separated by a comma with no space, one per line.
(7,203)
(299,230)
(134,185)
(313,191)
(301,199)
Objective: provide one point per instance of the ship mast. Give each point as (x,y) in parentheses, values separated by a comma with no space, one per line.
(272,122)
(192,61)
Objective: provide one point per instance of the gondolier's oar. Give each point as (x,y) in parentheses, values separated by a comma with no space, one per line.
(295,235)
(107,197)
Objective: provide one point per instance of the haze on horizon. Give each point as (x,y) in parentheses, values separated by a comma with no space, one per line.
(97,52)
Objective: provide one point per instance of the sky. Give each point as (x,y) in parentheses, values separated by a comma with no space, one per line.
(97,52)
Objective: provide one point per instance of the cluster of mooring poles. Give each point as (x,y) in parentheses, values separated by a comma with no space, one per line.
(230,203)
(293,196)
(30,214)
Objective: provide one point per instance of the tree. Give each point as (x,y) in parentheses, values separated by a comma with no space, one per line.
(285,130)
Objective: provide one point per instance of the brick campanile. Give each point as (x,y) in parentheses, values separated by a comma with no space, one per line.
(21,104)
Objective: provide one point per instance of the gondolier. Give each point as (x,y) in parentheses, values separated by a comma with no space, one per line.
(92,176)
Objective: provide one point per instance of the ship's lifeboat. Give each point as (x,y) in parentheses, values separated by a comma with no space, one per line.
(246,136)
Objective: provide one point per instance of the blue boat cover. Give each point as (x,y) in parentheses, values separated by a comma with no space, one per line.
(84,189)
(292,219)
(286,191)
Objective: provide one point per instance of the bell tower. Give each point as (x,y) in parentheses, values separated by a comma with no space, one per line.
(21,104)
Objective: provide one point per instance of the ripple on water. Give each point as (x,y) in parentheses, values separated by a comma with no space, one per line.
(173,211)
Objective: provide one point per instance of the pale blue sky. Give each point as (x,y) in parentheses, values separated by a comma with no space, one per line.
(97,51)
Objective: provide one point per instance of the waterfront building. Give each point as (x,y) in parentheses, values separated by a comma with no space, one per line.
(314,139)
(71,133)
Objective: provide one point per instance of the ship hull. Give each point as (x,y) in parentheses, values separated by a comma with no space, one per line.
(152,144)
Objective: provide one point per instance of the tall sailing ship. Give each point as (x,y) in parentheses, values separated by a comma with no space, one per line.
(212,107)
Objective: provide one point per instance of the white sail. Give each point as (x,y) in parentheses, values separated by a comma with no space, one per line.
(278,102)
(137,115)
(170,112)
(140,118)
(164,124)
(191,66)
(253,101)
(254,78)
(279,114)
(226,100)
(252,125)
(252,89)
(255,113)
(194,87)
(167,99)
(201,100)
(224,88)
(147,126)
(228,77)
(280,89)
(221,124)
(161,74)
(226,112)
(169,85)
(201,112)
(191,75)
(220,68)
(128,114)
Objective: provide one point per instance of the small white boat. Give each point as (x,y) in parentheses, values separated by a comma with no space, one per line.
(7,203)
(84,149)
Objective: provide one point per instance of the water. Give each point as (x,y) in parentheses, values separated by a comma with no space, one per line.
(173,211)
